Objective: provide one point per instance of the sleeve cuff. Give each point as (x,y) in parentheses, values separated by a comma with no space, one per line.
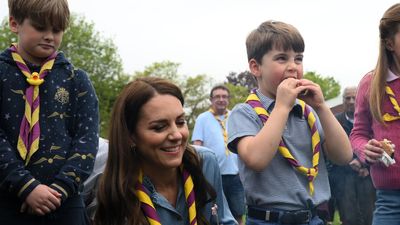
(63,189)
(27,188)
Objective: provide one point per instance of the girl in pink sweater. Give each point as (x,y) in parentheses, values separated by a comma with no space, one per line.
(377,117)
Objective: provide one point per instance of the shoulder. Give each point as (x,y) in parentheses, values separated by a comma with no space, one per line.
(365,82)
(241,111)
(6,62)
(204,152)
(80,74)
(204,115)
(208,157)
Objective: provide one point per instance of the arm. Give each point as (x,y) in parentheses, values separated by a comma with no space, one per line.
(337,145)
(258,151)
(15,180)
(13,175)
(81,155)
(361,136)
(197,134)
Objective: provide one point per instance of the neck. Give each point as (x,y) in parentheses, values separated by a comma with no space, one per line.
(267,93)
(29,58)
(219,112)
(349,115)
(395,68)
(165,181)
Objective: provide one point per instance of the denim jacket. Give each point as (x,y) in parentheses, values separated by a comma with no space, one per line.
(178,215)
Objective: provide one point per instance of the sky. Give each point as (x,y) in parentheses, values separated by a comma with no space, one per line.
(208,36)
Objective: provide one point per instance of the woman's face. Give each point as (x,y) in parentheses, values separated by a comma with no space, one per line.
(161,133)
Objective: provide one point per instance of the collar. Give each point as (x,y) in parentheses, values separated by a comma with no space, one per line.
(391,76)
(269,104)
(351,120)
(159,200)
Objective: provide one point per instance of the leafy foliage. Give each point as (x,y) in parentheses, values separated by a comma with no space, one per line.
(244,79)
(87,50)
(239,85)
(329,86)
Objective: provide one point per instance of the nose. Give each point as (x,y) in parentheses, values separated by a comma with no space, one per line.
(49,35)
(292,67)
(175,134)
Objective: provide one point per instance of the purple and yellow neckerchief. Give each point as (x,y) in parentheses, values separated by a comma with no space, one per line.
(392,97)
(29,134)
(222,123)
(147,205)
(310,173)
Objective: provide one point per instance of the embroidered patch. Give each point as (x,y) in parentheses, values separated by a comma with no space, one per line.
(62,96)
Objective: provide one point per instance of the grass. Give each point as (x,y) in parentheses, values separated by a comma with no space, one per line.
(336,218)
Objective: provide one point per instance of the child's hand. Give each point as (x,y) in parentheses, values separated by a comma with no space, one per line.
(355,164)
(313,96)
(287,92)
(373,151)
(42,200)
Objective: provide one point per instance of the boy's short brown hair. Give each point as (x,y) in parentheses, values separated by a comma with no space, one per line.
(273,35)
(42,13)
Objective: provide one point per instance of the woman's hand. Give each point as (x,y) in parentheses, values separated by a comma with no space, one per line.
(373,151)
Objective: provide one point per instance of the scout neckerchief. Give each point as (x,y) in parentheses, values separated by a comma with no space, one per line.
(312,172)
(392,97)
(223,128)
(150,211)
(29,134)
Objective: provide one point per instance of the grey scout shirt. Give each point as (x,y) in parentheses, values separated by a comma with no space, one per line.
(279,185)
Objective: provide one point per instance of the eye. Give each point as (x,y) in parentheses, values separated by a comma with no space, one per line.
(299,59)
(158,127)
(39,28)
(56,31)
(181,122)
(281,58)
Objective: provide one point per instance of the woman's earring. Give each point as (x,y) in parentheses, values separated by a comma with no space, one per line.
(133,148)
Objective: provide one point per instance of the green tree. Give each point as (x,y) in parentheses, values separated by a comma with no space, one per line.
(88,50)
(239,85)
(194,88)
(329,86)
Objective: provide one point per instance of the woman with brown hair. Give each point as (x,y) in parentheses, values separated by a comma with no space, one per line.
(152,175)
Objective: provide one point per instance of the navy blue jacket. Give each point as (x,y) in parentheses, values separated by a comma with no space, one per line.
(68,130)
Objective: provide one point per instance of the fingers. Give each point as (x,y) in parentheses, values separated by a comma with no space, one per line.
(42,200)
(53,202)
(55,193)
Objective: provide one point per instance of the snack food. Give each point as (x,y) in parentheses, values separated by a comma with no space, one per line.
(303,93)
(388,147)
(387,157)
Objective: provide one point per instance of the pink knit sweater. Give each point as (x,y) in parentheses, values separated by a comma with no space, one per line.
(366,128)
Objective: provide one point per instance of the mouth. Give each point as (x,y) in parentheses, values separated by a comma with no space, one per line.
(45,46)
(171,149)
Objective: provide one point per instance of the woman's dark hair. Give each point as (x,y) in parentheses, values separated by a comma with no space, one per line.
(117,201)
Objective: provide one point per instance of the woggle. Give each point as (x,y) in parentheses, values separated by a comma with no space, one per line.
(34,79)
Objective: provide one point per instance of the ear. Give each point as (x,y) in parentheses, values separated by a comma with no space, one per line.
(13,24)
(389,44)
(254,68)
(132,141)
